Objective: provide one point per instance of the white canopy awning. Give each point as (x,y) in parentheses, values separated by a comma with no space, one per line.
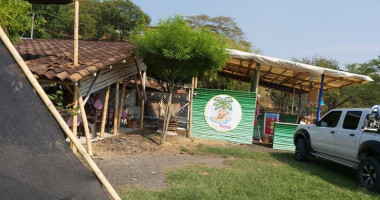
(286,75)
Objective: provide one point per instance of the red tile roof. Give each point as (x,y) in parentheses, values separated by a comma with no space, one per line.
(53,59)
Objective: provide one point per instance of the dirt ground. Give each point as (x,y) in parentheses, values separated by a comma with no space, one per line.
(138,158)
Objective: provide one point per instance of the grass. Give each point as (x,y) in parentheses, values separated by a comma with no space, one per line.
(257,175)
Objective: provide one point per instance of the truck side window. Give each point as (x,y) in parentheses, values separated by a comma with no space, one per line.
(351,120)
(331,119)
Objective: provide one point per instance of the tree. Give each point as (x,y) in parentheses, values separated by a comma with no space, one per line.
(108,19)
(224,26)
(174,52)
(15,18)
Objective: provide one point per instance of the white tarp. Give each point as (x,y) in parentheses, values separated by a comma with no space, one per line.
(314,71)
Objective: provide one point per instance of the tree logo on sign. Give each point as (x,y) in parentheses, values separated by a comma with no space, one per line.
(223,113)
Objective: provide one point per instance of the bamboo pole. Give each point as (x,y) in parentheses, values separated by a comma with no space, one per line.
(76,31)
(115,110)
(142,100)
(191,107)
(57,116)
(121,104)
(105,109)
(74,124)
(85,124)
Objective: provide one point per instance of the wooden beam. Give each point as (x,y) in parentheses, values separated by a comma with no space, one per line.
(121,104)
(280,74)
(55,82)
(142,101)
(105,110)
(69,89)
(115,110)
(189,125)
(89,91)
(137,88)
(255,79)
(85,123)
(140,76)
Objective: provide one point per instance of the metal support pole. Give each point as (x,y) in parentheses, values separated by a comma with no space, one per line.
(320,96)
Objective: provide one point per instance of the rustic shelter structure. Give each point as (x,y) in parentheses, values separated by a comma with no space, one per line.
(36,163)
(100,65)
(286,75)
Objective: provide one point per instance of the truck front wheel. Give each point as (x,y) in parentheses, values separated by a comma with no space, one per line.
(301,150)
(369,169)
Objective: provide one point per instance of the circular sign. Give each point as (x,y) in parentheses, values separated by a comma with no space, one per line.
(223,113)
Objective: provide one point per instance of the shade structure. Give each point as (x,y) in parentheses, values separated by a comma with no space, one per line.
(285,75)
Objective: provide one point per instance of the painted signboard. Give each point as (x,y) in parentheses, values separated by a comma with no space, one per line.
(223,115)
(269,120)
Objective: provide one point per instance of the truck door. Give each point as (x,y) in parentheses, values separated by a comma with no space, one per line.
(323,135)
(346,137)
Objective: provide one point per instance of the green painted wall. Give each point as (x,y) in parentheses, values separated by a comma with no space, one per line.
(287,118)
(243,132)
(283,136)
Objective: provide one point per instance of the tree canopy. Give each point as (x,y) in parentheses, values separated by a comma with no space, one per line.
(15,18)
(224,26)
(174,52)
(108,19)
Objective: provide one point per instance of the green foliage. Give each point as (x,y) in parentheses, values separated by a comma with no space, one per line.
(57,99)
(256,175)
(226,103)
(224,26)
(109,20)
(174,52)
(15,18)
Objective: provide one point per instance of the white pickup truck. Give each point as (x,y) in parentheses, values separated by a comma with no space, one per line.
(347,136)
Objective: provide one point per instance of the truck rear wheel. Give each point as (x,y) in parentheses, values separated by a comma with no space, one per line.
(369,169)
(301,150)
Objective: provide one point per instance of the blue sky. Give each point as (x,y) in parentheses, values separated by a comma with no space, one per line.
(345,30)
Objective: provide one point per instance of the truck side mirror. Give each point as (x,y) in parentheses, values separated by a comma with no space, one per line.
(315,121)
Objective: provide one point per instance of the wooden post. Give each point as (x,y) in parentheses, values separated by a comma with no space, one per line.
(121,104)
(115,117)
(105,109)
(191,107)
(29,75)
(76,31)
(195,82)
(137,88)
(142,100)
(85,124)
(74,125)
(140,76)
(255,79)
